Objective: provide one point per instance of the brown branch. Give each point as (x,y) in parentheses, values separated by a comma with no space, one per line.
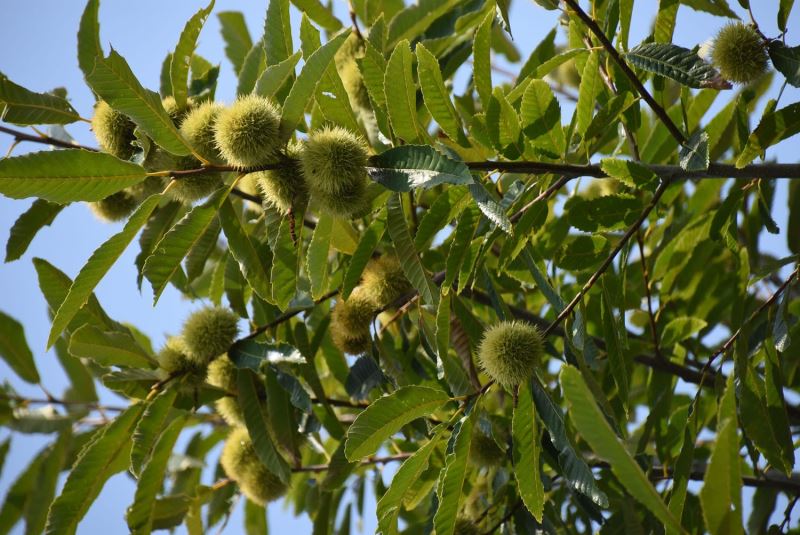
(607,262)
(555,186)
(626,70)
(91,405)
(19,135)
(766,304)
(286,316)
(764,171)
(371,460)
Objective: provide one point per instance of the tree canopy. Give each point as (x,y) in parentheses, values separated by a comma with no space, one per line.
(410,259)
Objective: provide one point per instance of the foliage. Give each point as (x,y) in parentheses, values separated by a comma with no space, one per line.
(396,271)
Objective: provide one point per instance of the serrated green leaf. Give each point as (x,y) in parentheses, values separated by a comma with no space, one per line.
(155,228)
(786,60)
(41,214)
(306,84)
(608,212)
(277,32)
(109,348)
(553,63)
(526,450)
(258,424)
(590,88)
(385,416)
(401,93)
(409,23)
(407,253)
(236,36)
(101,458)
(416,166)
(97,266)
(540,118)
(775,126)
(451,482)
(784,9)
(114,82)
(503,126)
(140,513)
(680,329)
(437,97)
(632,174)
(444,209)
(490,208)
(390,504)
(14,349)
(46,482)
(592,425)
(161,266)
(275,76)
(200,252)
(694,155)
(319,13)
(317,258)
(181,58)
(776,408)
(65,176)
(373,234)
(284,266)
(573,467)
(89,46)
(244,251)
(24,107)
(55,285)
(674,62)
(20,492)
(721,495)
(150,425)
(254,64)
(583,252)
(459,247)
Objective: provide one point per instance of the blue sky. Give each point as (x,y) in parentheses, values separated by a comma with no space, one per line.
(37,50)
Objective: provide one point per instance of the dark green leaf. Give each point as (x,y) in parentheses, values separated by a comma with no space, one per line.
(416,166)
(786,60)
(65,176)
(387,415)
(24,107)
(105,455)
(39,215)
(673,61)
(109,348)
(407,253)
(14,349)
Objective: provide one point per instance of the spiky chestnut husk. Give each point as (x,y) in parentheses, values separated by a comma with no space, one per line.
(510,351)
(241,463)
(285,187)
(739,53)
(177,114)
(484,451)
(334,163)
(464,526)
(113,130)
(190,188)
(115,207)
(350,321)
(198,128)
(222,373)
(351,50)
(246,133)
(384,281)
(174,359)
(209,332)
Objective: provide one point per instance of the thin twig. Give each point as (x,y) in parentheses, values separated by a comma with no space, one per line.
(607,262)
(555,186)
(372,460)
(646,280)
(47,140)
(91,405)
(626,70)
(766,304)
